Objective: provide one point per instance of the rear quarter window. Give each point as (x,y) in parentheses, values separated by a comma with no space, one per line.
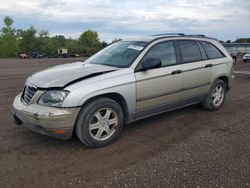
(212,51)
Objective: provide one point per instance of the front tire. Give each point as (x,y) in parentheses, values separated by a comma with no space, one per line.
(99,123)
(216,96)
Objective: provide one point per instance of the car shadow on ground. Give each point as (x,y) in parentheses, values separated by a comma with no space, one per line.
(163,130)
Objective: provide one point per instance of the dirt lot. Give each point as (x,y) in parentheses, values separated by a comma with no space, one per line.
(184,148)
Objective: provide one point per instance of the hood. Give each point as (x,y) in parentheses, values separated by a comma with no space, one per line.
(64,75)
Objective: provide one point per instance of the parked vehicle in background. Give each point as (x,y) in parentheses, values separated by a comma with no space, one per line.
(246,58)
(233,53)
(23,56)
(125,82)
(37,55)
(234,56)
(53,56)
(74,55)
(63,52)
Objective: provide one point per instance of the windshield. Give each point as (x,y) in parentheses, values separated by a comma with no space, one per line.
(119,54)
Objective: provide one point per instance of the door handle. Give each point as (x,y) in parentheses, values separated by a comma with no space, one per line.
(209,65)
(177,72)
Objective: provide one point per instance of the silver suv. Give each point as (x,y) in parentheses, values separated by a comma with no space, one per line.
(127,81)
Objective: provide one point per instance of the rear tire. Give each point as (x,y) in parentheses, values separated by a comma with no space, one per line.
(216,97)
(99,123)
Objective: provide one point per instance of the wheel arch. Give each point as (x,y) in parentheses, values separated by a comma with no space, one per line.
(117,98)
(225,79)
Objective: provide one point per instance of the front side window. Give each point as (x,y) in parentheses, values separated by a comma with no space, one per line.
(212,51)
(189,50)
(164,51)
(120,54)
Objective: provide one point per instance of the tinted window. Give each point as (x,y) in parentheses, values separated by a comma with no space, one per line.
(212,51)
(189,50)
(164,51)
(203,53)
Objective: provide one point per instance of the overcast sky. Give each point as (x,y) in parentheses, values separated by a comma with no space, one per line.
(223,19)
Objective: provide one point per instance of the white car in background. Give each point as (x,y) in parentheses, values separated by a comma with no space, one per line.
(246,58)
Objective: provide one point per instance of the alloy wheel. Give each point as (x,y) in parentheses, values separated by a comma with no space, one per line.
(218,95)
(103,124)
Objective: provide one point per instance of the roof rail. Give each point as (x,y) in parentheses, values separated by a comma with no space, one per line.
(163,34)
(194,35)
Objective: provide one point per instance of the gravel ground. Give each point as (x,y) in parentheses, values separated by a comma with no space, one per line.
(190,147)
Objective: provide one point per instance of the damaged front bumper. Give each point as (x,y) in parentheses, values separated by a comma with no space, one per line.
(51,121)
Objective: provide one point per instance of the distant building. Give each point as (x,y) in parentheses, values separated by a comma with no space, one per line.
(237,47)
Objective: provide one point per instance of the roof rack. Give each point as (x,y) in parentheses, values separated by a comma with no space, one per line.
(179,34)
(163,34)
(196,35)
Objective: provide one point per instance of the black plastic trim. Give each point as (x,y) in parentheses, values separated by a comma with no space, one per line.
(158,109)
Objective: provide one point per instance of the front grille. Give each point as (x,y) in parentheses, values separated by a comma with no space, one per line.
(28,93)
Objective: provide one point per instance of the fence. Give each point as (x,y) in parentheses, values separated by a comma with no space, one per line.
(238,47)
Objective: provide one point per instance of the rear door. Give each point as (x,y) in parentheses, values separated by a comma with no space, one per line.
(216,59)
(159,89)
(196,71)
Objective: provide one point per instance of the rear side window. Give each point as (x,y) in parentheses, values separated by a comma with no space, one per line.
(189,50)
(212,51)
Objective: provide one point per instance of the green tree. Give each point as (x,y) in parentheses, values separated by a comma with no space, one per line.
(90,42)
(60,41)
(42,41)
(43,34)
(89,38)
(242,40)
(28,40)
(31,40)
(45,44)
(8,29)
(8,39)
(73,46)
(104,44)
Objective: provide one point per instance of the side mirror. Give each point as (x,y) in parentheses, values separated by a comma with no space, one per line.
(151,63)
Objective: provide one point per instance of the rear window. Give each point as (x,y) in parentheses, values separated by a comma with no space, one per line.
(190,51)
(212,51)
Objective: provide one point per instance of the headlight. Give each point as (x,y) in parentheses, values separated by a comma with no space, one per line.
(53,98)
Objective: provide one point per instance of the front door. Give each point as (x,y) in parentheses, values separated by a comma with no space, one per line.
(159,89)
